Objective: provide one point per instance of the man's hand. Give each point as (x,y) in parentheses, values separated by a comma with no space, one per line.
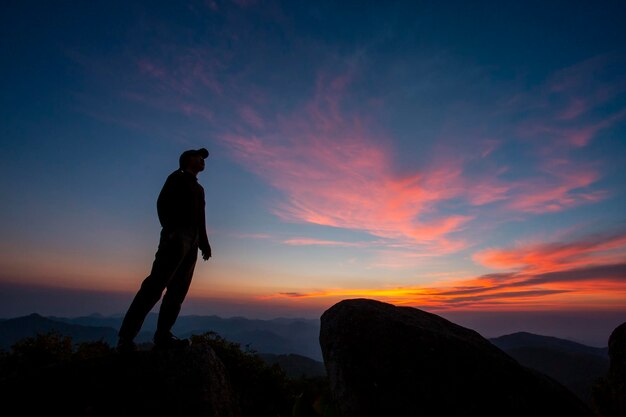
(206,253)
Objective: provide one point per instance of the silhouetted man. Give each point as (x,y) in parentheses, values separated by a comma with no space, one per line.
(180,207)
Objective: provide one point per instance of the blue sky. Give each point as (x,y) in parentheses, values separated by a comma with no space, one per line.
(449,156)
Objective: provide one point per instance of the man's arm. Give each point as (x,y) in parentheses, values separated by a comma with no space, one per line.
(206,253)
(204,245)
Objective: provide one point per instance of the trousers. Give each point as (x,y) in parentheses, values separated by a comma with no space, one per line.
(172,271)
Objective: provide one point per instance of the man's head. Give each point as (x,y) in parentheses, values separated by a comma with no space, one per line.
(193,160)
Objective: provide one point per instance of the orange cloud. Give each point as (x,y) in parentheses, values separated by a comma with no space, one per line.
(587,273)
(594,287)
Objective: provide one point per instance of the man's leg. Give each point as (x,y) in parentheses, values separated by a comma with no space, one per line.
(169,256)
(175,294)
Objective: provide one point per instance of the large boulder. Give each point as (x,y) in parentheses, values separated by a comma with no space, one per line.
(185,382)
(617,370)
(384,360)
(610,393)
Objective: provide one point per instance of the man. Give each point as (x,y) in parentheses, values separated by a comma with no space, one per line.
(180,208)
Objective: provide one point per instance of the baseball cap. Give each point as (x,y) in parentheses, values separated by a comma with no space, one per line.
(192,152)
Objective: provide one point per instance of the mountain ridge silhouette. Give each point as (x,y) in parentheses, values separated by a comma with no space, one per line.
(574,364)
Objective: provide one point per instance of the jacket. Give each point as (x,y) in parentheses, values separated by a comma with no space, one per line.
(181,205)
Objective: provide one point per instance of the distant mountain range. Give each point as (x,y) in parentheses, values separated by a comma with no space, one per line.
(530,340)
(574,365)
(294,343)
(277,336)
(12,330)
(296,366)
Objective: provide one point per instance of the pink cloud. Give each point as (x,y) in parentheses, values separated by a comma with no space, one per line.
(150,68)
(193,71)
(489,147)
(558,183)
(565,104)
(251,117)
(335,172)
(576,107)
(172,104)
(560,188)
(586,80)
(198,110)
(548,257)
(486,191)
(578,136)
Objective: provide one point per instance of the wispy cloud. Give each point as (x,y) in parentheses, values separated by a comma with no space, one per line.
(193,70)
(255,236)
(563,184)
(333,171)
(320,242)
(557,256)
(554,121)
(577,133)
(565,107)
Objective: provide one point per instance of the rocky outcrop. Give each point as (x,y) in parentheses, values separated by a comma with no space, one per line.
(384,360)
(185,382)
(610,393)
(617,370)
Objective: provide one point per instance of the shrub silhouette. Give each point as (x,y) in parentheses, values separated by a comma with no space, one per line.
(47,349)
(44,349)
(261,389)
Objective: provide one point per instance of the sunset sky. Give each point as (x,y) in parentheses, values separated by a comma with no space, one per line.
(451,156)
